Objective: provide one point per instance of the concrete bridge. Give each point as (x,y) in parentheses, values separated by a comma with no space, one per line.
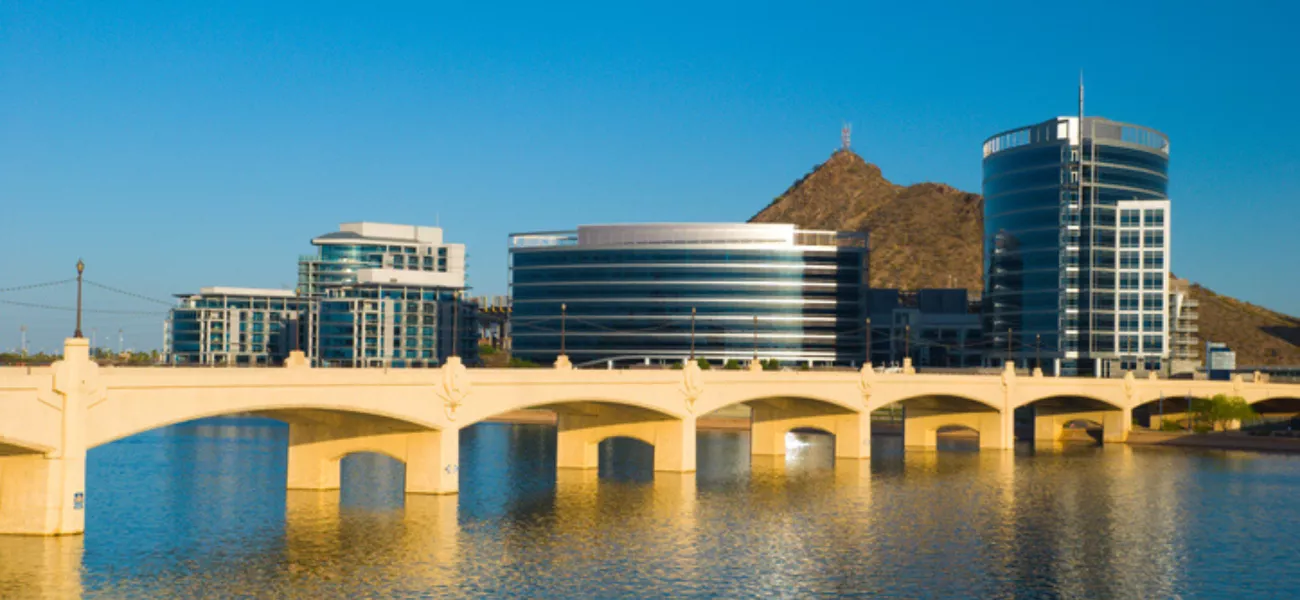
(50,417)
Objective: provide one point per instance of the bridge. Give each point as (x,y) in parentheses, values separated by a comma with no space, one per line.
(51,416)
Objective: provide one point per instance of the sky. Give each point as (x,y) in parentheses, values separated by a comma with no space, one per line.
(179,145)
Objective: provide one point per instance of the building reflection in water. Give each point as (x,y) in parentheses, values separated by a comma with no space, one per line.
(201,511)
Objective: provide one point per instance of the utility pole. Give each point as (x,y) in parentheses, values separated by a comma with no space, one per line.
(564,311)
(755,338)
(81,268)
(23,345)
(1038,348)
(120,348)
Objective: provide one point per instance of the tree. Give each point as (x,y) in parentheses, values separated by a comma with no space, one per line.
(771,364)
(731,365)
(1221,411)
(703,363)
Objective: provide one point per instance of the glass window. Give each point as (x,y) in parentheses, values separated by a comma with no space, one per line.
(1153,259)
(1153,343)
(1129,239)
(1153,322)
(1128,343)
(1154,239)
(1128,281)
(1154,217)
(1128,301)
(1128,322)
(1152,281)
(1152,302)
(1130,259)
(1130,218)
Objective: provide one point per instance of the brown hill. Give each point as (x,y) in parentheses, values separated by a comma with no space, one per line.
(930,235)
(925,235)
(1258,335)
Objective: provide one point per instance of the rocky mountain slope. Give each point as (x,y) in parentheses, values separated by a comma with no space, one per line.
(929,235)
(925,235)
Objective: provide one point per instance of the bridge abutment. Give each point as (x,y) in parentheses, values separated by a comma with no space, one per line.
(44,494)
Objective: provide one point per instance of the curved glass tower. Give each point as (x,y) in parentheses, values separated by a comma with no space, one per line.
(630,294)
(1076,239)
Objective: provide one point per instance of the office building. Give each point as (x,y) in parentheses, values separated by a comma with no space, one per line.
(386,295)
(374,295)
(1076,246)
(934,327)
(657,293)
(1184,354)
(234,326)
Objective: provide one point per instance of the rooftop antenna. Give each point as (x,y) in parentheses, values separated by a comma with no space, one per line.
(846,133)
(1081,97)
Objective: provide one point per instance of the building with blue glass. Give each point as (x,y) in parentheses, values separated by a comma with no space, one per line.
(234,326)
(387,295)
(658,293)
(1076,246)
(374,295)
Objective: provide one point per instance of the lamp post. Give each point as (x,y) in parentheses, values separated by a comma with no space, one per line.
(755,338)
(564,310)
(868,340)
(1009,348)
(1038,351)
(692,333)
(81,268)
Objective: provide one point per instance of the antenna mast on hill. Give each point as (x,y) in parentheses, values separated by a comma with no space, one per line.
(846,132)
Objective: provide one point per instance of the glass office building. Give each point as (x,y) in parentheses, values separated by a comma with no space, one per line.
(375,295)
(387,295)
(234,326)
(1076,256)
(640,294)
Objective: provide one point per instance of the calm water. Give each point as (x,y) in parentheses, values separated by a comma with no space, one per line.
(201,511)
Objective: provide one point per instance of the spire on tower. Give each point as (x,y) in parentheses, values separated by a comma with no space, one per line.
(845,133)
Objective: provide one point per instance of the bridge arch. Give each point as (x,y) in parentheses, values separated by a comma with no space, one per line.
(114,427)
(1049,419)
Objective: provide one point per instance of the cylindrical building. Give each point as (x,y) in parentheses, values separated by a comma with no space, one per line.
(639,294)
(1076,235)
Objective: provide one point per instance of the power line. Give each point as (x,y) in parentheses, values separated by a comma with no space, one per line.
(130,294)
(32,286)
(87,310)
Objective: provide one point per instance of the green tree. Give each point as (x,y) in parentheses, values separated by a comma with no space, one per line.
(703,363)
(771,364)
(1219,412)
(521,363)
(731,365)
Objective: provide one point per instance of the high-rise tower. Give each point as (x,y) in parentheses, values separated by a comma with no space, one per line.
(1076,245)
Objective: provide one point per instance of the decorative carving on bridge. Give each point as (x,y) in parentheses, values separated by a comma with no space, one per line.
(1129,387)
(692,384)
(866,377)
(454,387)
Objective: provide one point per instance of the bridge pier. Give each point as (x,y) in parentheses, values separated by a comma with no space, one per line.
(432,458)
(921,431)
(1115,424)
(771,420)
(581,429)
(44,494)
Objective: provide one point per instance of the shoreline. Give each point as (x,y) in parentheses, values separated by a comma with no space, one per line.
(1214,441)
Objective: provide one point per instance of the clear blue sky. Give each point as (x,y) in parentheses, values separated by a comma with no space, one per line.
(180,144)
